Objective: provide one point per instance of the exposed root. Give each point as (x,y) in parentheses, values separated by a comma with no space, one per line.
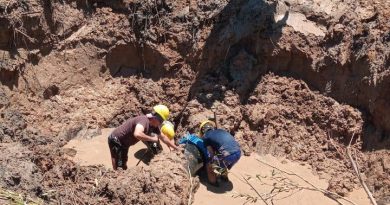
(254,189)
(191,185)
(338,149)
(331,195)
(357,172)
(25,35)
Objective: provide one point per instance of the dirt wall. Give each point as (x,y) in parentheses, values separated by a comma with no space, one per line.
(338,48)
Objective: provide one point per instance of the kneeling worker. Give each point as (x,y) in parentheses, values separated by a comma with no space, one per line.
(140,128)
(224,151)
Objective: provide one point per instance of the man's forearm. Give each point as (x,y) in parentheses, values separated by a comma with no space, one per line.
(145,137)
(168,142)
(171,144)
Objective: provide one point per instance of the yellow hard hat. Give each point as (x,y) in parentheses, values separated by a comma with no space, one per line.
(162,110)
(205,125)
(168,129)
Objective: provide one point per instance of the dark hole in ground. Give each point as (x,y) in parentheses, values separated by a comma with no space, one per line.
(51,91)
(125,60)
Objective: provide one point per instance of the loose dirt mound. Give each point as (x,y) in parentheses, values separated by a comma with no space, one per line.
(46,173)
(289,119)
(17,169)
(285,114)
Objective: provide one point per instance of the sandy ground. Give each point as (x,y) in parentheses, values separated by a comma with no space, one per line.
(95,151)
(287,189)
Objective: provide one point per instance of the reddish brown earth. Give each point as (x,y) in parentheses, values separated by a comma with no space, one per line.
(291,78)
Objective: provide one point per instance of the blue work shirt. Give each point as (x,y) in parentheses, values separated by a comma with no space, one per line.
(221,141)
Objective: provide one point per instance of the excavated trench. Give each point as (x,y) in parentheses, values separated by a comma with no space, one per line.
(295,79)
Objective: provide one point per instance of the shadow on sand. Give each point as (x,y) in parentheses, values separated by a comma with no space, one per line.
(224,186)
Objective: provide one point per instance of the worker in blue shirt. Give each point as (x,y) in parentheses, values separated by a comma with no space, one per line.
(223,149)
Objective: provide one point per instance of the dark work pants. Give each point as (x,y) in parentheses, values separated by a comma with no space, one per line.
(118,152)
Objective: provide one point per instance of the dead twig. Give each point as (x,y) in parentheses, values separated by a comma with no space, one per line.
(6,7)
(254,189)
(226,54)
(327,193)
(158,15)
(33,40)
(350,141)
(190,177)
(272,42)
(357,164)
(248,198)
(354,166)
(338,149)
(191,185)
(22,14)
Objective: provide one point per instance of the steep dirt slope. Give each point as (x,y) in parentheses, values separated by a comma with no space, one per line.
(341,48)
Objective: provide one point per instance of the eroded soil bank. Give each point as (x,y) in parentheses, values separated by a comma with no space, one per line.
(297,79)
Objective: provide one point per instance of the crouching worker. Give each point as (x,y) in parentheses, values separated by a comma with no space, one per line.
(136,129)
(224,151)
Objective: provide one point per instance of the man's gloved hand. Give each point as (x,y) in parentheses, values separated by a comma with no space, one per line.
(154,147)
(217,167)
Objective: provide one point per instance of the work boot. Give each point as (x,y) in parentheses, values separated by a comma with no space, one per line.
(120,163)
(224,175)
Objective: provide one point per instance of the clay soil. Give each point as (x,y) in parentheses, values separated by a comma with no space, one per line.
(295,79)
